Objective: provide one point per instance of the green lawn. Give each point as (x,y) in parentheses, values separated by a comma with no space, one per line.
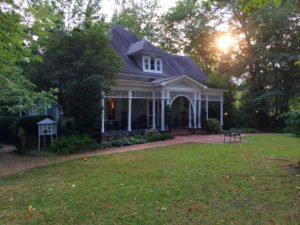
(185,184)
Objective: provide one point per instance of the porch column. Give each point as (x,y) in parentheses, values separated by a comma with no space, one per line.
(199,111)
(168,97)
(206,107)
(190,115)
(221,111)
(102,114)
(153,111)
(195,110)
(162,111)
(129,110)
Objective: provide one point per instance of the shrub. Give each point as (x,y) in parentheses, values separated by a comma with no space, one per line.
(213,126)
(292,121)
(71,144)
(104,144)
(159,136)
(150,132)
(125,141)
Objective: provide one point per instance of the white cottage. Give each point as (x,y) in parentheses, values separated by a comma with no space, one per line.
(151,79)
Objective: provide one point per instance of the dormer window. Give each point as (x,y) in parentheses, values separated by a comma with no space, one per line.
(152,64)
(158,61)
(146,63)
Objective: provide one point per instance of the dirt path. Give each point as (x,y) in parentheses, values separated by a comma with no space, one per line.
(11,163)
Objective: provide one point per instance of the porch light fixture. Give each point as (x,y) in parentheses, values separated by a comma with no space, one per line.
(112,105)
(226,113)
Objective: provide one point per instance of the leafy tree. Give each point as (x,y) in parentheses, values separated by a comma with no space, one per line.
(274,77)
(17,93)
(190,28)
(139,17)
(72,13)
(258,3)
(81,64)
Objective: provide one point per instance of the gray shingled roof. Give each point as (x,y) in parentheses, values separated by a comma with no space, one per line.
(126,44)
(143,46)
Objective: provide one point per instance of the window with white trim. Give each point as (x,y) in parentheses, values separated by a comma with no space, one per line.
(152,64)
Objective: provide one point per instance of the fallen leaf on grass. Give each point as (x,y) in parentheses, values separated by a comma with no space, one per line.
(226,177)
(85,159)
(195,206)
(30,208)
(28,216)
(252,177)
(163,209)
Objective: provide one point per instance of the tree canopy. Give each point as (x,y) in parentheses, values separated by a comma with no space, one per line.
(17,93)
(80,64)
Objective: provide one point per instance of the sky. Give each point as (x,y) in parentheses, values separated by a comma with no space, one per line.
(108,6)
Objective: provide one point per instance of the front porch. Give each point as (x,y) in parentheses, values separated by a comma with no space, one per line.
(177,103)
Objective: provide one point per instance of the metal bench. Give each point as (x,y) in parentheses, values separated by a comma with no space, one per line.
(233,134)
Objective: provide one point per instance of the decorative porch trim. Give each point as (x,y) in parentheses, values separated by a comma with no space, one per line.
(213,98)
(173,94)
(142,94)
(116,94)
(136,94)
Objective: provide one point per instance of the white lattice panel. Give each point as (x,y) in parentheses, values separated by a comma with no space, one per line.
(212,98)
(116,94)
(142,94)
(187,94)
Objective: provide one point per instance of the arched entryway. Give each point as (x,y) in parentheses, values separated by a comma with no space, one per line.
(181,112)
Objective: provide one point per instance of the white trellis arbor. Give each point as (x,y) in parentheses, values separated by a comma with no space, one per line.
(162,94)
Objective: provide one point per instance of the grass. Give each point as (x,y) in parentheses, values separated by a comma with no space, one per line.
(185,184)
